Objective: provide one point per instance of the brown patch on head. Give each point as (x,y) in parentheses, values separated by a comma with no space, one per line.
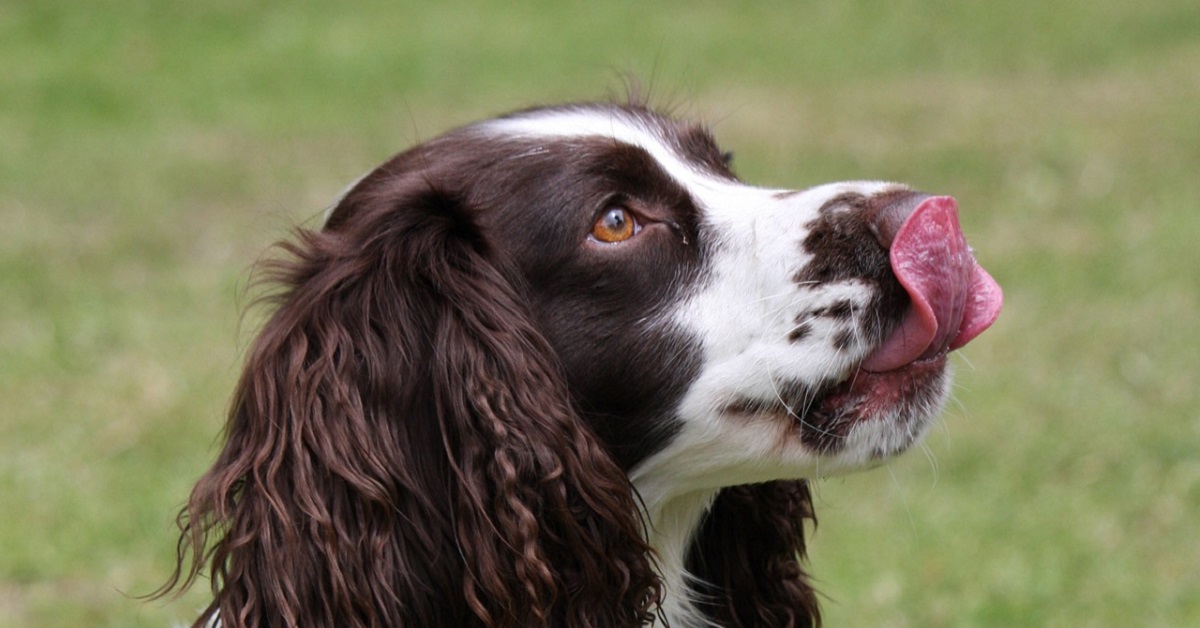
(844,248)
(802,331)
(842,245)
(842,310)
(843,340)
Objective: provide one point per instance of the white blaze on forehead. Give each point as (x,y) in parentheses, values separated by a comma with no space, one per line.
(628,128)
(729,208)
(618,125)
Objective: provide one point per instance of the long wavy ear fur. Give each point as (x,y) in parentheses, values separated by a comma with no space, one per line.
(402,450)
(749,551)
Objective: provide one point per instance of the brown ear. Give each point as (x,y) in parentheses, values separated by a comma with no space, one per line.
(402,449)
(749,552)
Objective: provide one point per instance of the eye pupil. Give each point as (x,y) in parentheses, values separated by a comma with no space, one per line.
(616,225)
(615,220)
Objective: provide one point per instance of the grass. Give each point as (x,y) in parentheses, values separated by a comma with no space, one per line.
(152,150)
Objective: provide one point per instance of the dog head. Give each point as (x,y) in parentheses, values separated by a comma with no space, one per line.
(565,366)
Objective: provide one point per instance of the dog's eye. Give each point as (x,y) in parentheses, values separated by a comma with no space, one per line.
(615,225)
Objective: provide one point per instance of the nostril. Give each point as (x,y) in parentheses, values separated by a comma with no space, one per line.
(888,212)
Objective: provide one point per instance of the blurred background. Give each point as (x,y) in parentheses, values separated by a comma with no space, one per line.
(150,152)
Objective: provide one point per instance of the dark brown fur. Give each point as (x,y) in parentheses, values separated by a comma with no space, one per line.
(749,550)
(402,441)
(417,441)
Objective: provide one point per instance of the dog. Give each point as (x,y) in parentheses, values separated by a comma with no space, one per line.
(563,367)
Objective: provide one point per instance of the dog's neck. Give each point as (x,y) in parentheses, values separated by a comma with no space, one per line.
(673,523)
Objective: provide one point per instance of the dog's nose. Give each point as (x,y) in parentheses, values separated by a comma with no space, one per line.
(887,213)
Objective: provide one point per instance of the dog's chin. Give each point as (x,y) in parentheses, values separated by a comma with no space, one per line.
(873,416)
(862,418)
(868,395)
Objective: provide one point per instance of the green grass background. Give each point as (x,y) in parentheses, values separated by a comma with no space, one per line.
(150,151)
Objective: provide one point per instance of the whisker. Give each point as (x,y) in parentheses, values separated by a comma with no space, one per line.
(899,490)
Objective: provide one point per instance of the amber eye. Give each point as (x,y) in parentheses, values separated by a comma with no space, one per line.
(615,225)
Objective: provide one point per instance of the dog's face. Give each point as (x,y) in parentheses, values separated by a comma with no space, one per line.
(709,329)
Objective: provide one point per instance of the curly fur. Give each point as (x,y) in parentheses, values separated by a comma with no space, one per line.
(348,493)
(759,583)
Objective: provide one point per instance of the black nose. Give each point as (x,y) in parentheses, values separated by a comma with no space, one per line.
(887,214)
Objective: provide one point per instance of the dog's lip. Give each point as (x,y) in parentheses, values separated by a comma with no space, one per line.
(870,393)
(856,395)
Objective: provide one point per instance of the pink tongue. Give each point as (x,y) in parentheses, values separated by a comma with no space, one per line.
(953,298)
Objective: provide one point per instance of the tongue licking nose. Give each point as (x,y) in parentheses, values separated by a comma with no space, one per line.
(953,298)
